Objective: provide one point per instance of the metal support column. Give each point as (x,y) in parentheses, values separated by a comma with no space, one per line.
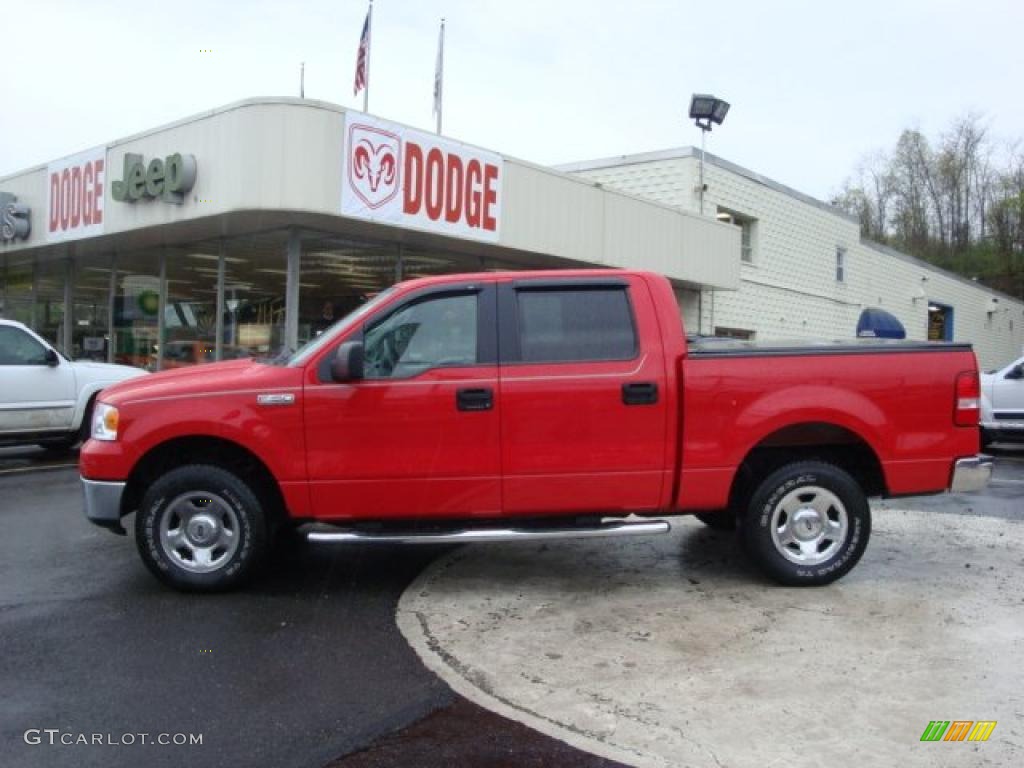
(161,318)
(703,138)
(218,324)
(291,291)
(67,331)
(33,313)
(111,299)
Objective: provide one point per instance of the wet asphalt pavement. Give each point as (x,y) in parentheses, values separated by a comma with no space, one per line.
(304,668)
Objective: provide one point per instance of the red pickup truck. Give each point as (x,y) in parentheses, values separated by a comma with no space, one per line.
(530,405)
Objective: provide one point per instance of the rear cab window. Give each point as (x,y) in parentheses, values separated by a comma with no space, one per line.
(569,322)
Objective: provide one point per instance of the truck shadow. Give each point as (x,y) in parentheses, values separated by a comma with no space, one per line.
(692,554)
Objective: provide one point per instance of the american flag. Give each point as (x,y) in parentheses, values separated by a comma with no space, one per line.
(361,56)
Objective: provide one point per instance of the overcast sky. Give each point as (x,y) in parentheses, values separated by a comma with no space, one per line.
(814,85)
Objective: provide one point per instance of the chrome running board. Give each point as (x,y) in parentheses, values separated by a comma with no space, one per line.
(474,535)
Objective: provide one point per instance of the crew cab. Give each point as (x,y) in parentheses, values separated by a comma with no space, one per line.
(530,405)
(1002,403)
(45,398)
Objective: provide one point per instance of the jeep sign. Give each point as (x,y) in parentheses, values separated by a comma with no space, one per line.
(397,175)
(167,179)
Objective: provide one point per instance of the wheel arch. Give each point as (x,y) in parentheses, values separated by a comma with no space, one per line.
(85,400)
(204,449)
(807,441)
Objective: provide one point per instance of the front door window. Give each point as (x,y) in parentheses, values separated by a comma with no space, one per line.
(435,332)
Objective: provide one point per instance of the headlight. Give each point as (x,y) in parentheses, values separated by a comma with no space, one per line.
(104,422)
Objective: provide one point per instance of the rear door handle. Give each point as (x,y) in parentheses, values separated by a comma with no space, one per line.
(481,399)
(640,393)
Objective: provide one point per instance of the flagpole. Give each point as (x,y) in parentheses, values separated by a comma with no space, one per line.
(369,39)
(439,76)
(302,81)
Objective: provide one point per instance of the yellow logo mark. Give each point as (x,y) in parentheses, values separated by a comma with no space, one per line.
(982,730)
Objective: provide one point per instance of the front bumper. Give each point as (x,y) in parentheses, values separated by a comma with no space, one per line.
(103,503)
(971,474)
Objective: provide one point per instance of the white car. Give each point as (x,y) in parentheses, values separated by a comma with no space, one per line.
(1002,403)
(45,398)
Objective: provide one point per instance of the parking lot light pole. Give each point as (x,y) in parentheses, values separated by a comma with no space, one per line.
(706,109)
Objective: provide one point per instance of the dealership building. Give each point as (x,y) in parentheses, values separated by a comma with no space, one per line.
(250,228)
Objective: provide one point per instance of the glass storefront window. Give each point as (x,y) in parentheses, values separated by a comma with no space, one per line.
(16,288)
(190,315)
(49,301)
(423,263)
(254,295)
(338,276)
(90,337)
(136,308)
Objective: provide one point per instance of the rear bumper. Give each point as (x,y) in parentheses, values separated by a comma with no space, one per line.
(103,503)
(1004,427)
(971,473)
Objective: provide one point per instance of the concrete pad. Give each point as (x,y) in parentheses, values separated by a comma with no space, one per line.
(670,650)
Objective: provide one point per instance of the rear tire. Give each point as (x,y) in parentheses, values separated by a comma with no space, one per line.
(807,524)
(718,521)
(201,528)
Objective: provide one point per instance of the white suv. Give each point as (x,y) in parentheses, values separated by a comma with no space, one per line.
(46,398)
(1002,403)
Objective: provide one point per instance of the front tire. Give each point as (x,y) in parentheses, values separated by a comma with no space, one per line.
(807,524)
(201,528)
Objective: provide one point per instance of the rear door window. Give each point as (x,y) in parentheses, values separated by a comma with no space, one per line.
(575,324)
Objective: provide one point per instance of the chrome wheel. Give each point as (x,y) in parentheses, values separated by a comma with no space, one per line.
(809,525)
(199,531)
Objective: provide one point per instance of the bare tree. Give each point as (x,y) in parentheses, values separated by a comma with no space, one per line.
(954,201)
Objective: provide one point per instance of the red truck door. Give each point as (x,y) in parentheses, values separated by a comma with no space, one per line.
(419,435)
(583,413)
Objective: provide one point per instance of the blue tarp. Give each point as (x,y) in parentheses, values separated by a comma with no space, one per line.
(879,324)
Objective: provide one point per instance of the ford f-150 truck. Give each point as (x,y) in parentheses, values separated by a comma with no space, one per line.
(530,405)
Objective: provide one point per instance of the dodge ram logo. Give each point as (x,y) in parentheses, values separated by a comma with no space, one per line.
(373,164)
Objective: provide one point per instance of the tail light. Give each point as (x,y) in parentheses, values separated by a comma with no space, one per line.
(968,400)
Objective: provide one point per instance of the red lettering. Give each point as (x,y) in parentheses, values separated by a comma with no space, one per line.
(490,196)
(413,197)
(453,190)
(97,188)
(65,198)
(435,183)
(54,201)
(87,201)
(473,176)
(76,196)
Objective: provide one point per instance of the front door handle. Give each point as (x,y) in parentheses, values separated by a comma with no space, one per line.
(474,399)
(640,393)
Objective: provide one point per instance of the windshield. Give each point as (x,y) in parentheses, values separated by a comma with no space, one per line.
(311,347)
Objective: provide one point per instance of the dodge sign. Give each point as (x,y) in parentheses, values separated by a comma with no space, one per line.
(75,196)
(398,175)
